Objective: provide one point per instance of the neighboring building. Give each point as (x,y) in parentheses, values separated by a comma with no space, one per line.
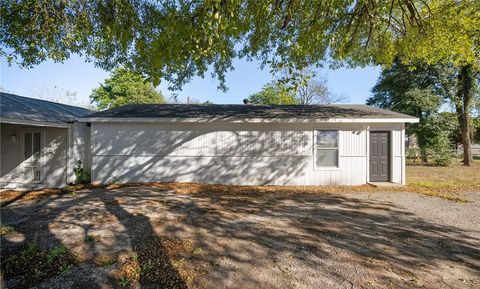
(37,145)
(248,144)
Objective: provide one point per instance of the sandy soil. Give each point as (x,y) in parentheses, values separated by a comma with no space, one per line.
(252,240)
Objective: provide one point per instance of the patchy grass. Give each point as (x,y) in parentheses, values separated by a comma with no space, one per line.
(56,252)
(461,177)
(91,238)
(446,182)
(33,265)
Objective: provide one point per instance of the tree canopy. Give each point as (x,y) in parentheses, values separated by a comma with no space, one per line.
(124,87)
(424,91)
(309,89)
(420,92)
(273,94)
(177,40)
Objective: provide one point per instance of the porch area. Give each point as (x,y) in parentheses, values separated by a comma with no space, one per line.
(33,156)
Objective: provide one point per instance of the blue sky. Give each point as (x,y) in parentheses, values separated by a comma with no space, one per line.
(51,80)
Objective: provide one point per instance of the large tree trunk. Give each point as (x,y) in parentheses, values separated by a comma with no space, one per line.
(465,89)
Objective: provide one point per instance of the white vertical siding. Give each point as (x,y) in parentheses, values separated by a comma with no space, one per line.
(10,150)
(403,151)
(236,153)
(150,139)
(397,156)
(53,151)
(79,148)
(354,143)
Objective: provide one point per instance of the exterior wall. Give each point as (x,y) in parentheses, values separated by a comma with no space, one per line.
(232,153)
(53,157)
(79,148)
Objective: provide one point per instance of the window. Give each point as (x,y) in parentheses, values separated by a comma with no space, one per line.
(31,144)
(32,174)
(326,148)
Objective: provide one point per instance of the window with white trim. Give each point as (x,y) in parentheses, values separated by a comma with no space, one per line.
(326,148)
(32,143)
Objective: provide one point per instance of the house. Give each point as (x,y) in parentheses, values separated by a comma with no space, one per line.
(248,144)
(37,146)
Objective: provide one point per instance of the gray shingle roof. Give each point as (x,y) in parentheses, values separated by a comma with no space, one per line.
(24,108)
(240,111)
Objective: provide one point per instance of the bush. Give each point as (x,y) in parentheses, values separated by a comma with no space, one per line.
(434,141)
(441,155)
(82,176)
(413,154)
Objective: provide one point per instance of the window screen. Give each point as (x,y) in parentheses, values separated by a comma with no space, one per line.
(326,148)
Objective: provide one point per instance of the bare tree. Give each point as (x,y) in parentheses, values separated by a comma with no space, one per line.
(58,94)
(313,90)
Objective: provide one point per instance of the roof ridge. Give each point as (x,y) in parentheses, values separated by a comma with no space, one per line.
(246,105)
(176,110)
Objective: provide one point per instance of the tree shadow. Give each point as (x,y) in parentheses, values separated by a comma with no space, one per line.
(156,269)
(251,239)
(313,228)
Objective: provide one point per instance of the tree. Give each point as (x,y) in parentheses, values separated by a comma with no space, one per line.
(476,128)
(466,88)
(123,87)
(435,130)
(176,40)
(420,92)
(310,89)
(273,94)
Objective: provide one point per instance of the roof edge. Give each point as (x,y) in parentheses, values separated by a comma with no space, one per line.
(33,122)
(249,120)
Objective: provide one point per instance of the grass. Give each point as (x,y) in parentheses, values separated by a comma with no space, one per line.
(32,265)
(446,182)
(90,238)
(453,176)
(56,252)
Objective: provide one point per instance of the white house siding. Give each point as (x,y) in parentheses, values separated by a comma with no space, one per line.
(80,148)
(230,153)
(53,152)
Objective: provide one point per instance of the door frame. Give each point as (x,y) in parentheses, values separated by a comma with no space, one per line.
(390,155)
(41,161)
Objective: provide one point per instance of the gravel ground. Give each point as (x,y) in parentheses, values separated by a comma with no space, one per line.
(255,240)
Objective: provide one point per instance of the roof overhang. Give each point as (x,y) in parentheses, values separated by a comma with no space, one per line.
(33,122)
(250,120)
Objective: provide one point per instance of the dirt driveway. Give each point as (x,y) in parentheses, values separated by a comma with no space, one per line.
(148,237)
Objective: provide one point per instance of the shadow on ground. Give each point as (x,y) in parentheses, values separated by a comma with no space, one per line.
(223,240)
